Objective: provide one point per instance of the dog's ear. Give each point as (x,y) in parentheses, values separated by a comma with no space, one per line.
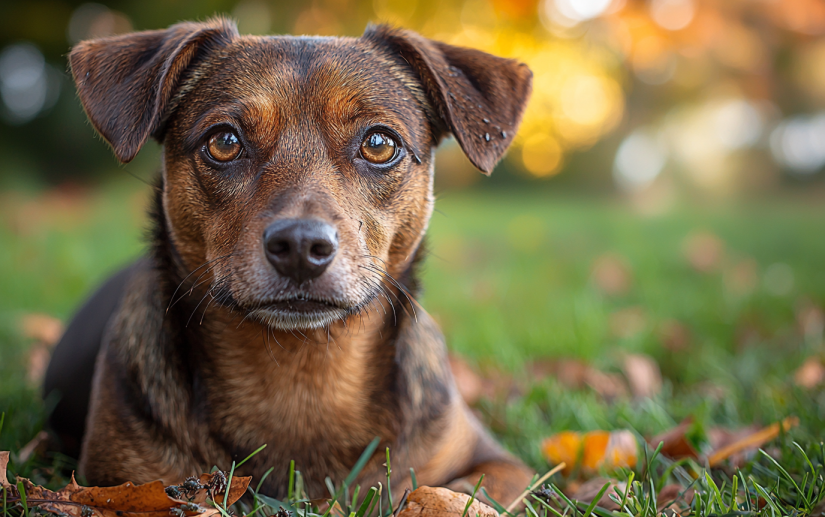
(478,96)
(126,82)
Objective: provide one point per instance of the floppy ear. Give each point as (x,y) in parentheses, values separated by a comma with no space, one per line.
(126,82)
(478,96)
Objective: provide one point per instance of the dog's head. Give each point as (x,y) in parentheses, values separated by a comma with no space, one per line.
(298,170)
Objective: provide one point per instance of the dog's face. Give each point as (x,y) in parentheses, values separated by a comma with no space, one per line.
(298,171)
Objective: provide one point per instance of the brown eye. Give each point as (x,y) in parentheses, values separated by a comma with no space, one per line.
(378,148)
(224,146)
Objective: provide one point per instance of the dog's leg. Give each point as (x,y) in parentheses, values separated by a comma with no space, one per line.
(70,371)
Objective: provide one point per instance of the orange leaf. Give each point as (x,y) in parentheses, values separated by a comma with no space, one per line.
(126,500)
(752,441)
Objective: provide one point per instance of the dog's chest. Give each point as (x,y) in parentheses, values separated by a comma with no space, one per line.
(308,403)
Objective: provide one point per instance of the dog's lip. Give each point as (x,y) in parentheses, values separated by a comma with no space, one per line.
(302,304)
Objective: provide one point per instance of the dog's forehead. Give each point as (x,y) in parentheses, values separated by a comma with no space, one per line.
(290,68)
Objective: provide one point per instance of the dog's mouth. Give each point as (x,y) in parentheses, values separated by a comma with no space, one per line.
(302,312)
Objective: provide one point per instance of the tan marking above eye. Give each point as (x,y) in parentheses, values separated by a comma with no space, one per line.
(379,147)
(224,146)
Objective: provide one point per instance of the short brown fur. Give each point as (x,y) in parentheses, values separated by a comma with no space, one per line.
(199,365)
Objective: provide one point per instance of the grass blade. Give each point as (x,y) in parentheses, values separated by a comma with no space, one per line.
(362,461)
(22,491)
(365,505)
(598,497)
(256,451)
(472,497)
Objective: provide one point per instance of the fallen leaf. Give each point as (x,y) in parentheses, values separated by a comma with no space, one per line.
(46,331)
(467,381)
(752,441)
(587,491)
(4,462)
(674,335)
(675,444)
(811,321)
(42,327)
(743,278)
(576,374)
(628,322)
(611,275)
(643,375)
(811,374)
(37,444)
(704,251)
(38,361)
(670,497)
(428,501)
(563,447)
(591,451)
(126,500)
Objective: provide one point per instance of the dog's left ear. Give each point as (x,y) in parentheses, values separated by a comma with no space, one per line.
(480,97)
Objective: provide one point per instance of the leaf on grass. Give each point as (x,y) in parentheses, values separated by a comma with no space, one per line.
(811,374)
(752,441)
(428,501)
(592,451)
(675,443)
(126,500)
(42,327)
(576,374)
(4,462)
(587,491)
(468,382)
(643,375)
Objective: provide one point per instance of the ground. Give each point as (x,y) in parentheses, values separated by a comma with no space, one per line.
(725,297)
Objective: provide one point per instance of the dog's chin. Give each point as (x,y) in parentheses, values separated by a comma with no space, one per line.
(299,314)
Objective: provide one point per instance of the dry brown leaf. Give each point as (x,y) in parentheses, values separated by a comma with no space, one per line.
(428,501)
(675,444)
(468,382)
(752,441)
(628,322)
(674,335)
(704,251)
(42,327)
(587,491)
(38,444)
(611,275)
(811,374)
(126,500)
(643,375)
(4,462)
(576,374)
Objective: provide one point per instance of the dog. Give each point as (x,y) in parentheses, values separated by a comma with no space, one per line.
(276,303)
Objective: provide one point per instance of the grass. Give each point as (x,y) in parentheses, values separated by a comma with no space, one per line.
(511,280)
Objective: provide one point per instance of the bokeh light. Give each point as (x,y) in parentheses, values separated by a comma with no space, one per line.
(27,84)
(716,87)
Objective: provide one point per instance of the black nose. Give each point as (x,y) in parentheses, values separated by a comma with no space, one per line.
(300,249)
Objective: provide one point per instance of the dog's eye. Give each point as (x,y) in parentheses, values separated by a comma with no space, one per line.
(379,148)
(224,146)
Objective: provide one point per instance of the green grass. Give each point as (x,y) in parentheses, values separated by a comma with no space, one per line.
(510,279)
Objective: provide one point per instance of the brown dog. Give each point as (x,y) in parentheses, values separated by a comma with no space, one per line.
(275,306)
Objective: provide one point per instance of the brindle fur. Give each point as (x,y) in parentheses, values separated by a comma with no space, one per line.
(195,370)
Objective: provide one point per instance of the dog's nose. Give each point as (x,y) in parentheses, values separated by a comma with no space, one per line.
(300,249)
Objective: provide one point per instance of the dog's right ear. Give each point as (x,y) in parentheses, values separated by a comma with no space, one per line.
(126,82)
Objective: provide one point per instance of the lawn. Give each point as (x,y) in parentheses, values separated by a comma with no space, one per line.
(726,298)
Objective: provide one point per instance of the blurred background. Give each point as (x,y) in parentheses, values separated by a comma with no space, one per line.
(672,96)
(659,220)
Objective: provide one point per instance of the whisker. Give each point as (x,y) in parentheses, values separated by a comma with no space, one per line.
(190,274)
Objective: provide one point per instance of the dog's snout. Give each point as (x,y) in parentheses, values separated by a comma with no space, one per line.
(300,249)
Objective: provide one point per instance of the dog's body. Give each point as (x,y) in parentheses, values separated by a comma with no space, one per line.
(274,307)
